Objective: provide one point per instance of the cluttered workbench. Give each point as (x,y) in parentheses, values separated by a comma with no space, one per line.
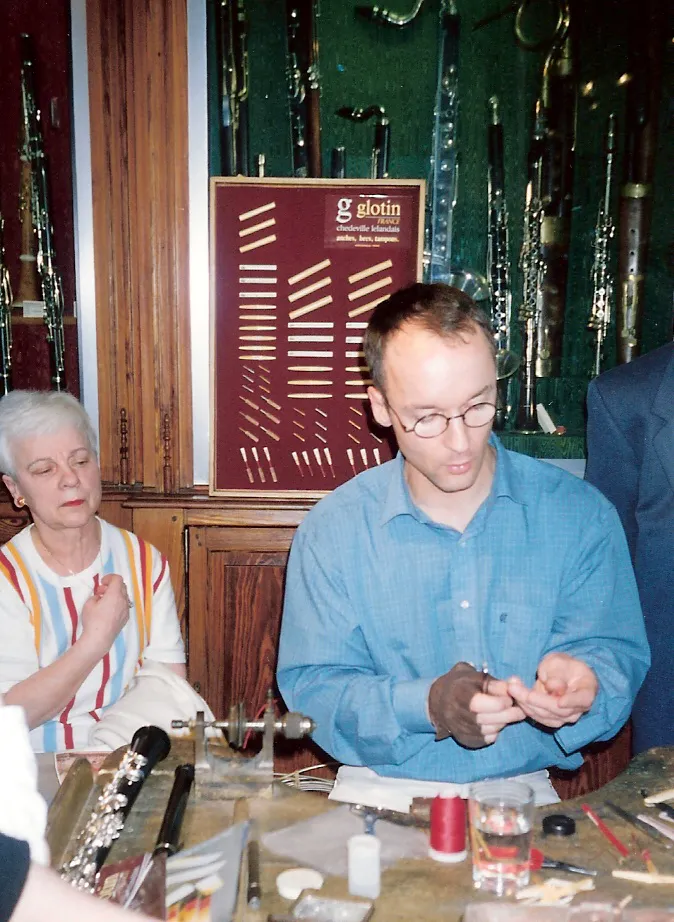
(413,887)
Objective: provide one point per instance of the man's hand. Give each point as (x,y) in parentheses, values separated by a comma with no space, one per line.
(470,706)
(494,709)
(564,690)
(105,614)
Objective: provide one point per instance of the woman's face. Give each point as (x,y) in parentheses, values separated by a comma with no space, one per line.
(58,476)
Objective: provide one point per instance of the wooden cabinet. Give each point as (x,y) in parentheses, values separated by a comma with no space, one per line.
(235,598)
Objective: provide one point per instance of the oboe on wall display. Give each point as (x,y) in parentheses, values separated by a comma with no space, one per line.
(635,204)
(602,275)
(381,145)
(50,281)
(558,97)
(29,283)
(442,183)
(232,30)
(304,86)
(5,316)
(532,267)
(498,263)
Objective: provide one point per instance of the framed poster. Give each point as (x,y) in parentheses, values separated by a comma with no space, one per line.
(297,266)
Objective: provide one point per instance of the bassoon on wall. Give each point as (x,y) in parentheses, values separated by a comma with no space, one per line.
(50,280)
(304,86)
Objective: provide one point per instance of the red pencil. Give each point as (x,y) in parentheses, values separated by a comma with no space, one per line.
(605,831)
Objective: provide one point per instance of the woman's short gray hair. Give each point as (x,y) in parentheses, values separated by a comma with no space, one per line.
(24,414)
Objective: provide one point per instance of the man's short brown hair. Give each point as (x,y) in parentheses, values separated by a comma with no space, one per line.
(438,308)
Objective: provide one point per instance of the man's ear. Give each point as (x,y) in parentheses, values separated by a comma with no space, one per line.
(380,409)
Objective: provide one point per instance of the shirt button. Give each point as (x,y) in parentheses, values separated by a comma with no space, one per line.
(465,604)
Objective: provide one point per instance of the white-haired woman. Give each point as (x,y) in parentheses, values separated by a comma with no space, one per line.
(82,603)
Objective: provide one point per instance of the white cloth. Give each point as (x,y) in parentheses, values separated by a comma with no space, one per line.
(23,812)
(156,695)
(360,785)
(40,618)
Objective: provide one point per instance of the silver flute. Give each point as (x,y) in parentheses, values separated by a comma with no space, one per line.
(603,279)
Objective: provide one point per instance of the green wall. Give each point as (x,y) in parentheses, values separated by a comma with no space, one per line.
(363,63)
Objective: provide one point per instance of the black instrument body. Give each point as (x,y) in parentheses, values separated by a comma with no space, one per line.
(34,154)
(304,86)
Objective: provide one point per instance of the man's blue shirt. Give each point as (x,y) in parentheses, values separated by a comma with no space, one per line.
(380,601)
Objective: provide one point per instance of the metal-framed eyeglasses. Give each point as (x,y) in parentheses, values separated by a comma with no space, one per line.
(434,424)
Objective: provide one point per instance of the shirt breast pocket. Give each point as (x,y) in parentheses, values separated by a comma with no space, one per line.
(518,637)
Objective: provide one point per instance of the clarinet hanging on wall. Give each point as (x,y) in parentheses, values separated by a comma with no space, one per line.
(603,284)
(444,167)
(532,267)
(232,29)
(5,316)
(381,145)
(498,264)
(558,99)
(636,192)
(50,280)
(304,86)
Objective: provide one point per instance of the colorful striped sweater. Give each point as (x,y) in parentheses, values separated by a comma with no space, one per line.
(40,620)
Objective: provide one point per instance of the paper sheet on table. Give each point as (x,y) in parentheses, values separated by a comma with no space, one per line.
(191,868)
(358,785)
(320,842)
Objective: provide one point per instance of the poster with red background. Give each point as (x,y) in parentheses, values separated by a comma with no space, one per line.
(297,267)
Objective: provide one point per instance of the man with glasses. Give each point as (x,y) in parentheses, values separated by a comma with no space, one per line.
(462,611)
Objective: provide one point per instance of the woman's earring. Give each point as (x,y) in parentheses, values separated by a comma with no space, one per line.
(20,502)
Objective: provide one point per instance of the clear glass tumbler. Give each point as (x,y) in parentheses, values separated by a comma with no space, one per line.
(501,815)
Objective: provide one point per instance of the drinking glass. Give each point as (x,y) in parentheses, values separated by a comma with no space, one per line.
(501,817)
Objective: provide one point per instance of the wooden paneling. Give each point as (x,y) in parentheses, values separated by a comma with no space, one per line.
(164,527)
(138,110)
(235,601)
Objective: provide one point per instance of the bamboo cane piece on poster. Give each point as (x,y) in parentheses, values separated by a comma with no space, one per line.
(271,466)
(256,457)
(309,289)
(364,308)
(319,462)
(254,228)
(270,416)
(305,458)
(254,212)
(265,241)
(368,289)
(308,308)
(349,455)
(372,270)
(328,458)
(245,461)
(311,270)
(296,459)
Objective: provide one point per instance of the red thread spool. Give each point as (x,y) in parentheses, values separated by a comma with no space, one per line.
(448,829)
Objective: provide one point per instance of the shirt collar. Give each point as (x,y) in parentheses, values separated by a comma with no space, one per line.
(506,483)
